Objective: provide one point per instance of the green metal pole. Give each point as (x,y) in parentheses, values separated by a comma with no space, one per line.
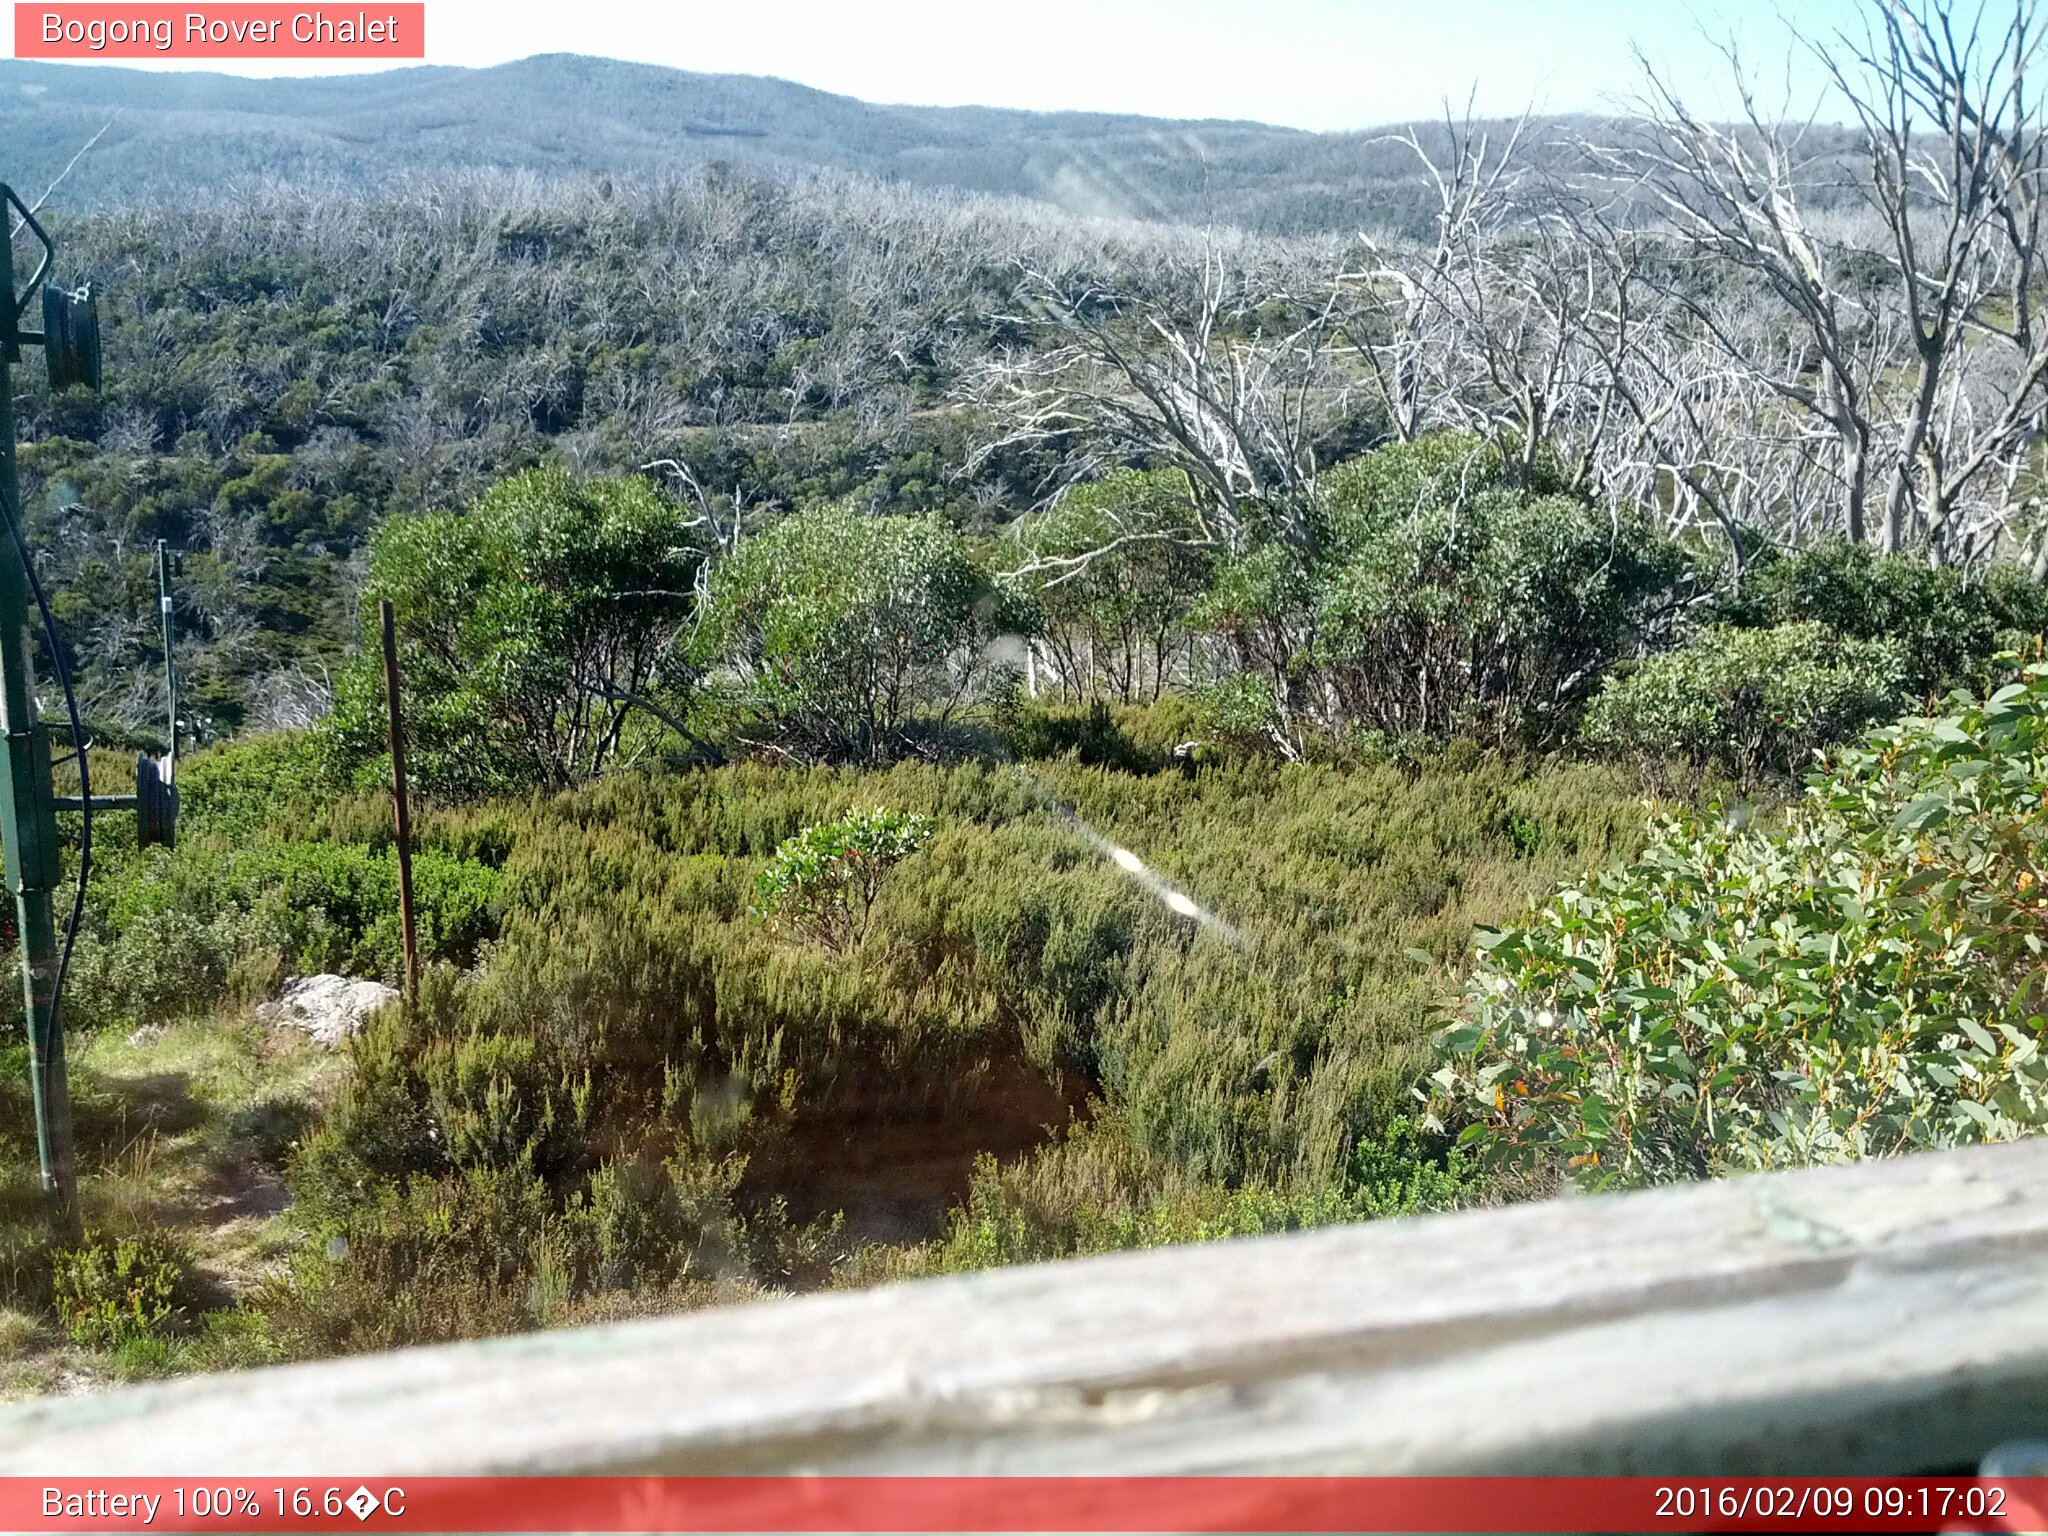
(163,603)
(28,824)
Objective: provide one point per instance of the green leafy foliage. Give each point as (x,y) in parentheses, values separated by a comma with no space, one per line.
(1858,981)
(286,370)
(1100,1193)
(1099,734)
(1211,987)
(633,1013)
(1261,605)
(1438,472)
(1444,595)
(1947,625)
(272,874)
(858,636)
(1111,571)
(1750,701)
(1455,602)
(823,884)
(1241,712)
(110,1291)
(540,634)
(610,1104)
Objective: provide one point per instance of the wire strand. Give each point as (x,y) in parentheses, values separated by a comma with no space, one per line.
(53,186)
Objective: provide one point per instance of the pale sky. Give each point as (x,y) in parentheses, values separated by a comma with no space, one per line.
(1307,63)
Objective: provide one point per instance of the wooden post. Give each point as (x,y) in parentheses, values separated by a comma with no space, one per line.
(412,943)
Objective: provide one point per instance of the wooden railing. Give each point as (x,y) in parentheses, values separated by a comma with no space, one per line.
(1884,1318)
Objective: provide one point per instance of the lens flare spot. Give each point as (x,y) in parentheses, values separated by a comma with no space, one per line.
(1123,858)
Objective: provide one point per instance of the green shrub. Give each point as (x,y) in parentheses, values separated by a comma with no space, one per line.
(173,931)
(1494,615)
(1402,1171)
(1946,624)
(274,872)
(537,635)
(556,1129)
(411,1261)
(823,883)
(1099,1191)
(111,1291)
(1752,701)
(632,1013)
(226,1339)
(1856,982)
(854,633)
(334,906)
(1438,472)
(247,787)
(1111,572)
(1097,735)
(427,1260)
(1441,596)
(158,965)
(1261,605)
(1242,714)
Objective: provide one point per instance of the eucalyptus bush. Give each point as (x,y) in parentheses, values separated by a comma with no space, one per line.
(1443,594)
(1947,624)
(1112,571)
(1860,980)
(1751,701)
(539,635)
(823,883)
(852,633)
(1493,615)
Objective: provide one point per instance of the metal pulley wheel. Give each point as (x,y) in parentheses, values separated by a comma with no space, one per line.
(71,336)
(156,801)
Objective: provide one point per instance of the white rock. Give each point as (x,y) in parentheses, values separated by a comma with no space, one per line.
(328,1008)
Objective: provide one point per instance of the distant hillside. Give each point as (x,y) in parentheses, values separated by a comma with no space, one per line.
(566,113)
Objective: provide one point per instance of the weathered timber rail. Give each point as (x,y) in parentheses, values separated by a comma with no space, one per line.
(1884,1318)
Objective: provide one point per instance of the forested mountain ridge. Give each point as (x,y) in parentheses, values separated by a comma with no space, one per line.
(563,112)
(285,369)
(176,133)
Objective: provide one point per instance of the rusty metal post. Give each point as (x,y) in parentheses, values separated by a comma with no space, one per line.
(412,943)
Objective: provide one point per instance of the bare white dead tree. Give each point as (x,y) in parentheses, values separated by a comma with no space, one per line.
(1903,343)
(1735,203)
(1957,154)
(1214,368)
(1406,307)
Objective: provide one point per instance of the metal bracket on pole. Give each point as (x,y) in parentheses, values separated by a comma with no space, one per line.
(155,801)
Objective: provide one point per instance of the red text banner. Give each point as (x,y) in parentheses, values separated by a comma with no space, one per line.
(1016,1504)
(224,31)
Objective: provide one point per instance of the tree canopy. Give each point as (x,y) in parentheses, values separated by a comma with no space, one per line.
(849,633)
(543,633)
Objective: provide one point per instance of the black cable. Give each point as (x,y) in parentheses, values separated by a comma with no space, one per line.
(56,649)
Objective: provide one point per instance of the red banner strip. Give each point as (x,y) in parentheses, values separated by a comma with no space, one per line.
(378,29)
(1016,1504)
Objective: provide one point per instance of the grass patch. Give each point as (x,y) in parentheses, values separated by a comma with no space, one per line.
(176,1132)
(1092,1008)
